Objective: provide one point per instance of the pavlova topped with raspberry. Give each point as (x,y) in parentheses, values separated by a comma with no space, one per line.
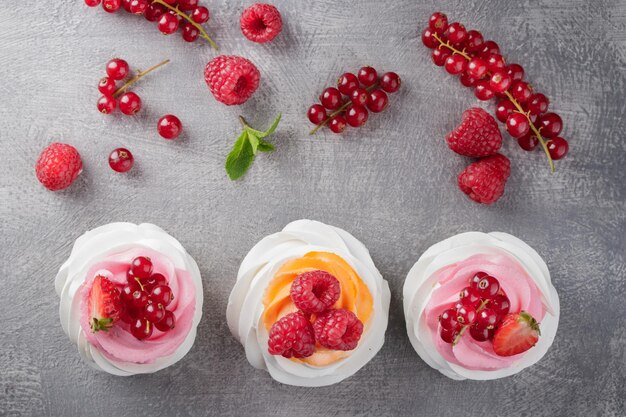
(480,306)
(131,298)
(309,305)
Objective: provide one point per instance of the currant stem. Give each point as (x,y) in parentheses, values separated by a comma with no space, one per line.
(243,122)
(458,336)
(511,98)
(190,20)
(137,77)
(343,107)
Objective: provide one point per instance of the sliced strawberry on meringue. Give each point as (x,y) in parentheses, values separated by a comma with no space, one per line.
(104,304)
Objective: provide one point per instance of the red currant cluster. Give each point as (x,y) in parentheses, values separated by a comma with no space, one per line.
(364,91)
(145,298)
(482,67)
(482,305)
(170,15)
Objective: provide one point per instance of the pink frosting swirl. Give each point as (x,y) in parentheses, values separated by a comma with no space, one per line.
(519,287)
(118,343)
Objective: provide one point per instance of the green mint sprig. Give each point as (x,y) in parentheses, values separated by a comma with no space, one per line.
(247,145)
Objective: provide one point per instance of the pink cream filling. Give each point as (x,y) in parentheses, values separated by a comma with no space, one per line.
(118,343)
(514,281)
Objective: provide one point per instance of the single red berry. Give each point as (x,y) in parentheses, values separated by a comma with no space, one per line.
(141,329)
(168,23)
(487,318)
(106,104)
(138,6)
(141,267)
(58,166)
(500,81)
(126,5)
(467,80)
(117,69)
(476,136)
(440,55)
(428,39)
(455,64)
(154,12)
(315,291)
(337,124)
(465,314)
(367,76)
(475,41)
(390,82)
(475,279)
(447,319)
(438,22)
(517,125)
(481,333)
(500,304)
(189,32)
(484,180)
(232,79)
(162,294)
(477,68)
(167,323)
(469,296)
(516,71)
(261,22)
(377,101)
(347,83)
(92,3)
(356,116)
(489,47)
(292,337)
(456,33)
(504,108)
(538,104)
(483,91)
(140,299)
(488,287)
(169,126)
(121,160)
(338,329)
(447,335)
(128,292)
(129,103)
(187,5)
(154,280)
(528,142)
(558,148)
(107,86)
(331,98)
(521,91)
(154,312)
(495,62)
(316,114)
(359,96)
(550,125)
(200,15)
(111,6)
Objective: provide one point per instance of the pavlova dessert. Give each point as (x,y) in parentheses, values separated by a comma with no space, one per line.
(480,306)
(131,298)
(309,305)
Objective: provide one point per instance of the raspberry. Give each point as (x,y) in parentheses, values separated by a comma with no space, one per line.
(58,166)
(231,79)
(477,135)
(315,291)
(484,181)
(261,22)
(338,329)
(292,337)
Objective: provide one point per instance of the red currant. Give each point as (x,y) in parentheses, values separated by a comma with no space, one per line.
(167,323)
(377,101)
(521,91)
(495,62)
(489,47)
(111,6)
(129,103)
(107,86)
(141,267)
(316,114)
(331,98)
(200,15)
(153,312)
(128,290)
(367,76)
(346,83)
(140,299)
(92,3)
(477,68)
(106,104)
(503,109)
(550,125)
(189,32)
(337,124)
(126,5)
(186,5)
(161,294)
(447,319)
(467,80)
(356,116)
(167,23)
(500,304)
(465,314)
(440,55)
(480,333)
(517,125)
(117,69)
(538,104)
(138,6)
(153,281)
(169,126)
(469,296)
(500,81)
(482,91)
(488,287)
(141,329)
(428,39)
(475,41)
(448,336)
(359,96)
(456,33)
(528,142)
(438,22)
(474,280)
(558,148)
(121,160)
(455,64)
(515,71)
(390,82)
(487,318)
(154,12)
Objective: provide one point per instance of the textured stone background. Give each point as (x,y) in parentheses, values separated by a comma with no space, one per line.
(390,183)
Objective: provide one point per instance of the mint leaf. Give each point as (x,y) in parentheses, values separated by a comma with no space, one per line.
(254,141)
(269,131)
(240,158)
(265,147)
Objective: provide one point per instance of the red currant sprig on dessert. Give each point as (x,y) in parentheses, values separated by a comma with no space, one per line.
(482,67)
(316,323)
(364,91)
(170,15)
(483,310)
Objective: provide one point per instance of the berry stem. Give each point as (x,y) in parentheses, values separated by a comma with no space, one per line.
(510,97)
(190,20)
(458,336)
(137,77)
(340,110)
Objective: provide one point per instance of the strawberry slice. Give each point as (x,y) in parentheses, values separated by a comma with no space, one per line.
(517,333)
(104,304)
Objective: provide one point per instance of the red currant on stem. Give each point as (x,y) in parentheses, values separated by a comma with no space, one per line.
(456,33)
(475,41)
(390,82)
(129,103)
(500,81)
(359,96)
(428,40)
(455,64)
(528,142)
(141,267)
(367,76)
(440,56)
(172,7)
(346,83)
(377,101)
(517,124)
(153,12)
(550,124)
(356,115)
(167,323)
(167,23)
(162,294)
(483,91)
(92,3)
(106,104)
(121,160)
(117,69)
(141,329)
(558,148)
(200,15)
(503,109)
(107,86)
(438,22)
(137,77)
(477,68)
(189,32)
(138,6)
(331,98)
(111,6)
(169,126)
(538,104)
(337,124)
(515,71)
(316,114)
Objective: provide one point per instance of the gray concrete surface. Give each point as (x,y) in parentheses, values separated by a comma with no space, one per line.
(390,183)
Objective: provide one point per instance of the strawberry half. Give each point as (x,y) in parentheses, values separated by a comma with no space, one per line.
(104,304)
(517,333)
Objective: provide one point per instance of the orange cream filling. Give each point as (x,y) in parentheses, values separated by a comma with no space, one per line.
(355,296)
